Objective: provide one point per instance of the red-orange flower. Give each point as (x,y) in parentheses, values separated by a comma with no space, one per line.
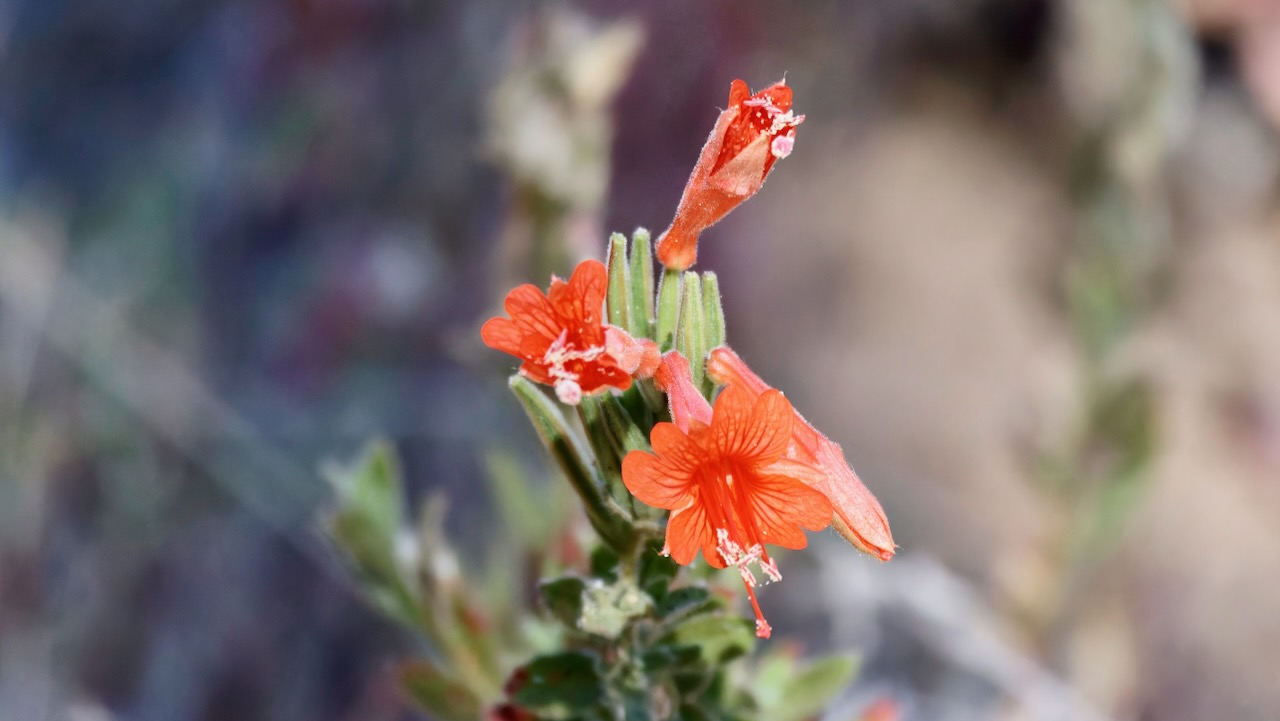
(722,474)
(562,339)
(748,138)
(858,515)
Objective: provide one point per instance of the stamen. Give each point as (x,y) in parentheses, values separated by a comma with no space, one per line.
(782,145)
(735,556)
(770,568)
(558,354)
(763,629)
(568,391)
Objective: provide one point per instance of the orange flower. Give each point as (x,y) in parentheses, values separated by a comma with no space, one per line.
(562,339)
(748,138)
(858,515)
(723,475)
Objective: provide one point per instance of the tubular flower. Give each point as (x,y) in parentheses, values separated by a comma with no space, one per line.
(748,138)
(723,474)
(858,515)
(563,340)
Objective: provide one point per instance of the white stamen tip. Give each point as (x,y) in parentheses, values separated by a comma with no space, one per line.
(568,391)
(782,145)
(734,555)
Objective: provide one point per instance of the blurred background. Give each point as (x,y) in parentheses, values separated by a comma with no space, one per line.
(1024,265)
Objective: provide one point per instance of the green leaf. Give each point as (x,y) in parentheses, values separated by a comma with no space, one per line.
(680,603)
(370,490)
(665,658)
(721,638)
(656,571)
(558,684)
(605,516)
(437,693)
(563,599)
(640,312)
(618,295)
(366,524)
(809,691)
(604,563)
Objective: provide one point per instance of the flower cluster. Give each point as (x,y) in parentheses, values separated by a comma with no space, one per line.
(735,465)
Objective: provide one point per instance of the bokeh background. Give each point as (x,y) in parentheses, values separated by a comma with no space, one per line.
(1024,265)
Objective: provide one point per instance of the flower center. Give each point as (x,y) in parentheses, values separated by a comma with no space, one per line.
(566,364)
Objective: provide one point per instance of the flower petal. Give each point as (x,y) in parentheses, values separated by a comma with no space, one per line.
(656,480)
(859,517)
(727,368)
(502,334)
(755,430)
(687,532)
(532,312)
(582,298)
(602,373)
(677,448)
(676,380)
(783,505)
(536,372)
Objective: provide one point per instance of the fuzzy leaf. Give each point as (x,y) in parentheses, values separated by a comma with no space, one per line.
(563,599)
(810,689)
(606,609)
(680,603)
(558,684)
(721,638)
(656,572)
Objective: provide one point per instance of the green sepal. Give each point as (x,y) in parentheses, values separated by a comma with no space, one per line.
(604,514)
(668,310)
(689,334)
(713,334)
(621,427)
(618,295)
(437,693)
(640,311)
(607,453)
